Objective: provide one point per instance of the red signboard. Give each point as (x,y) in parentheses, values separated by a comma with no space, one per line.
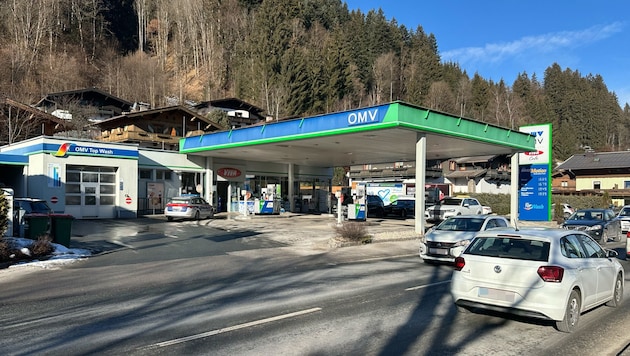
(54,200)
(128,200)
(229,172)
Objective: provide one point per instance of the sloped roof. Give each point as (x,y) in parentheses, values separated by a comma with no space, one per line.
(88,94)
(475,159)
(471,173)
(166,112)
(597,160)
(230,103)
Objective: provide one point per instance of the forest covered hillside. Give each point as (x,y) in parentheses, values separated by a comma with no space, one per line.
(289,57)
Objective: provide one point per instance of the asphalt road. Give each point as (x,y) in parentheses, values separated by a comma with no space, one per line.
(195,289)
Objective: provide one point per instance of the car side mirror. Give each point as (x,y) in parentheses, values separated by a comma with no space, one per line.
(611,253)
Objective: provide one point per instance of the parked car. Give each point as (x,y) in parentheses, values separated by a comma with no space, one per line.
(450,206)
(553,274)
(447,240)
(31,206)
(624,218)
(188,207)
(567,210)
(601,224)
(402,207)
(25,206)
(375,206)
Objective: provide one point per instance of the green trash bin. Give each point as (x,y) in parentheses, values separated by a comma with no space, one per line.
(61,228)
(36,225)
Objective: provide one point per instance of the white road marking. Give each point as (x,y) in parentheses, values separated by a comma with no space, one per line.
(232,328)
(427,285)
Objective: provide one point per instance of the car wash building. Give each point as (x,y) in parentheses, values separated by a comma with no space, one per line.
(86,179)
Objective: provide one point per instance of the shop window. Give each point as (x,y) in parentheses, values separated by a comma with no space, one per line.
(107,200)
(73,200)
(106,189)
(90,177)
(145,174)
(73,177)
(108,178)
(162,175)
(73,188)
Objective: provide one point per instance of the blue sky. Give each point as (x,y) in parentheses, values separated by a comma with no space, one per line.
(500,39)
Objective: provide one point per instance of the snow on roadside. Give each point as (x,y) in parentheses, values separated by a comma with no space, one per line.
(61,255)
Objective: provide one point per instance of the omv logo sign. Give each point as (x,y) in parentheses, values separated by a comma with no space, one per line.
(538,136)
(63,150)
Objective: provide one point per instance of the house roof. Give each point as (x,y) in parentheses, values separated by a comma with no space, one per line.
(91,96)
(474,159)
(171,113)
(230,103)
(597,160)
(471,173)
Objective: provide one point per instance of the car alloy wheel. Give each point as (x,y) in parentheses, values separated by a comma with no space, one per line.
(571,314)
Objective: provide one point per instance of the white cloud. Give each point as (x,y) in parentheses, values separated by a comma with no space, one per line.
(497,52)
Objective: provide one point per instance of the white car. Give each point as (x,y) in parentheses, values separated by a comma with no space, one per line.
(447,240)
(188,207)
(567,209)
(450,206)
(552,274)
(624,218)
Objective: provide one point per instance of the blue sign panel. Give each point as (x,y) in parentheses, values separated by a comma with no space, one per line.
(533,202)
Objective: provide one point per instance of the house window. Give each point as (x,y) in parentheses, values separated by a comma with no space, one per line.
(564,184)
(163,175)
(145,174)
(626,184)
(597,184)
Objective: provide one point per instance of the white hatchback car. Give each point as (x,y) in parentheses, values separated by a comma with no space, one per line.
(188,207)
(447,240)
(552,274)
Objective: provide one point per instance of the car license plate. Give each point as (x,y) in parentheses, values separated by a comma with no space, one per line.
(439,251)
(496,294)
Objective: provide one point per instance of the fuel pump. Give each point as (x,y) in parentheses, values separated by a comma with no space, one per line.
(270,200)
(357,210)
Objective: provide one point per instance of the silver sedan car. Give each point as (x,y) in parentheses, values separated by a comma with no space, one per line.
(188,207)
(447,240)
(552,274)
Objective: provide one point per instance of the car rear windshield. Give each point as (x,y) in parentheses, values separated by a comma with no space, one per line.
(40,207)
(180,200)
(510,247)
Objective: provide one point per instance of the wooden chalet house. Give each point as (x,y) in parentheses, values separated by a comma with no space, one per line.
(597,173)
(93,103)
(240,113)
(155,128)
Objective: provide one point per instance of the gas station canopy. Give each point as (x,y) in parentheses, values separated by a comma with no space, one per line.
(377,134)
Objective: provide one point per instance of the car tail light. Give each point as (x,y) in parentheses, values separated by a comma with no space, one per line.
(551,273)
(459,263)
